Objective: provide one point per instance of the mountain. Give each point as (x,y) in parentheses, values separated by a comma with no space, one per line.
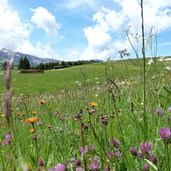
(6,54)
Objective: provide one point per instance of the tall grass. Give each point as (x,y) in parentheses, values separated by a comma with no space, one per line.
(121,124)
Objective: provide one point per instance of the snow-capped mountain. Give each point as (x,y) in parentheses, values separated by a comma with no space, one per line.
(6,54)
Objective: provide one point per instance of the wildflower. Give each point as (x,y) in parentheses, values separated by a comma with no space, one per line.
(8,139)
(62,118)
(60,167)
(83,150)
(91,147)
(93,104)
(40,162)
(34,112)
(169,109)
(42,101)
(168,68)
(49,126)
(77,162)
(32,130)
(31,120)
(94,163)
(35,137)
(117,154)
(104,120)
(153,159)
(110,154)
(92,111)
(18,114)
(145,148)
(116,143)
(39,123)
(150,61)
(159,111)
(79,169)
(2,115)
(165,133)
(146,167)
(133,151)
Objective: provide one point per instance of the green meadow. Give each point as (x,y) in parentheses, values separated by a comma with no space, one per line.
(54,80)
(89,117)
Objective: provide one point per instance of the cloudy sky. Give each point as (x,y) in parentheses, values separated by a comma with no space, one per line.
(83,29)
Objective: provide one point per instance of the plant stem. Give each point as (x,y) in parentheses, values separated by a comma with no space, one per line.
(144,75)
(83,145)
(167,154)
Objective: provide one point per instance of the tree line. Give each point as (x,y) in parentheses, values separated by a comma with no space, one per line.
(24,64)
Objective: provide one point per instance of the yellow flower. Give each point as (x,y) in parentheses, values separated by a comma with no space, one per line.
(32,130)
(42,101)
(2,115)
(31,120)
(34,112)
(93,104)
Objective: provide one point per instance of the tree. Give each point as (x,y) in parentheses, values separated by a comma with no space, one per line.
(24,63)
(42,66)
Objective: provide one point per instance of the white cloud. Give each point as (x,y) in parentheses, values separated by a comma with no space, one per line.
(39,49)
(15,34)
(99,37)
(12,29)
(45,20)
(72,54)
(157,14)
(101,44)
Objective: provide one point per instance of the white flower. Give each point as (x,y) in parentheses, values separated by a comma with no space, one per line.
(167,59)
(161,59)
(150,61)
(168,68)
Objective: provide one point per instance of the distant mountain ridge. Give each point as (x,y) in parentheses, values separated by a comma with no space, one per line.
(6,54)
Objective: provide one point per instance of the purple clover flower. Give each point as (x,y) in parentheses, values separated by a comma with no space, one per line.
(133,151)
(165,133)
(94,163)
(91,147)
(153,159)
(83,150)
(117,154)
(159,111)
(79,169)
(60,167)
(40,162)
(145,148)
(110,154)
(146,167)
(8,139)
(116,143)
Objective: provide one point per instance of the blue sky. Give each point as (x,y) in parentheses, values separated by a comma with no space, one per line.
(83,29)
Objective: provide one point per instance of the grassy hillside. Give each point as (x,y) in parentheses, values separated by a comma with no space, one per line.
(93,124)
(91,74)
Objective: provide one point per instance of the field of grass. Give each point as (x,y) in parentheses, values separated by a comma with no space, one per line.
(54,80)
(93,118)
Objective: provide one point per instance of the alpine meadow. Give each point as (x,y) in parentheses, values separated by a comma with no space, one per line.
(113,115)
